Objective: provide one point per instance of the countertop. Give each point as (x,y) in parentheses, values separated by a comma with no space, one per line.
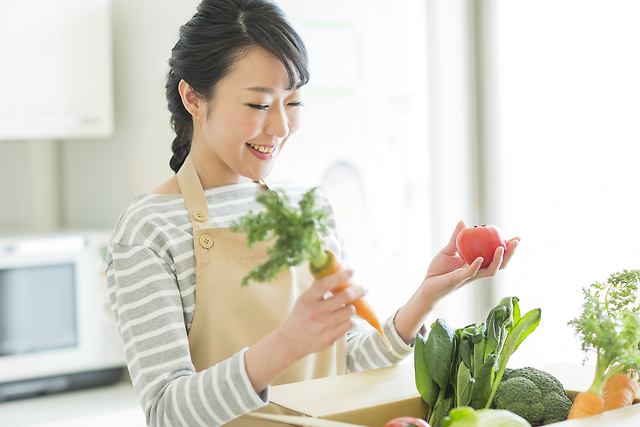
(115,405)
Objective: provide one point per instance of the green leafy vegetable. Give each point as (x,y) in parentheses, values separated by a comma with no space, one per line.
(620,292)
(444,345)
(463,367)
(609,326)
(464,385)
(295,231)
(523,327)
(433,381)
(484,377)
(465,416)
(499,320)
(425,384)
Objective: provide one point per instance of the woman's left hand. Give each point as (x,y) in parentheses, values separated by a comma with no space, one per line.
(446,273)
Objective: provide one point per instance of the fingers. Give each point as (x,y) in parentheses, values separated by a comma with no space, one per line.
(342,319)
(498,257)
(511,248)
(501,258)
(471,271)
(451,249)
(345,297)
(328,283)
(336,325)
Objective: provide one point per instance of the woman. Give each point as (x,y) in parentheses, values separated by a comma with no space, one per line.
(201,350)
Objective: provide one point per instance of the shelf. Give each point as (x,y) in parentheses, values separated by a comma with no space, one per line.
(104,406)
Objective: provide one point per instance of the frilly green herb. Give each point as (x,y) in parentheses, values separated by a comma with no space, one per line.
(620,292)
(610,327)
(296,232)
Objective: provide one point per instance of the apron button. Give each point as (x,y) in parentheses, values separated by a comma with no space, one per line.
(206,241)
(200,215)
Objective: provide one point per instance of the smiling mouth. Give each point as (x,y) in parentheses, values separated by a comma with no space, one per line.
(262,148)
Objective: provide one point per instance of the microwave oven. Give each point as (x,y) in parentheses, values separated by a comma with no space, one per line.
(57,331)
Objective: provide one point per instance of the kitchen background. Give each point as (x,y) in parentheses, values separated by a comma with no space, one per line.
(420,113)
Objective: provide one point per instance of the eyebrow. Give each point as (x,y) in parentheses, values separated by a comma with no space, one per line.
(268,90)
(261,89)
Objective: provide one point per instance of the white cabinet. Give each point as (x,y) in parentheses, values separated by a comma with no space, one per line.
(56,69)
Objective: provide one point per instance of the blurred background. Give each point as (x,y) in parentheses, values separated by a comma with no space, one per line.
(419,113)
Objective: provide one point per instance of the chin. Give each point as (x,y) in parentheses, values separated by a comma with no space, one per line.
(258,176)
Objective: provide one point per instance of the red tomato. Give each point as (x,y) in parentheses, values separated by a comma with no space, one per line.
(480,241)
(407,422)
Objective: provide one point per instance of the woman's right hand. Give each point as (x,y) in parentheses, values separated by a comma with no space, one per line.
(314,324)
(317,322)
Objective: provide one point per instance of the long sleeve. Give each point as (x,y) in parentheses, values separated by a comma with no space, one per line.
(367,350)
(148,309)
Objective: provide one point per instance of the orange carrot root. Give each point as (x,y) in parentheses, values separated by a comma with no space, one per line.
(619,391)
(362,306)
(585,405)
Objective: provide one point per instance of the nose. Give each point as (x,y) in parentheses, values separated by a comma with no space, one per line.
(277,123)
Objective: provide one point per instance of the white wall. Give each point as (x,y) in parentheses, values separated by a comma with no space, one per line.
(101,176)
(98,177)
(569,134)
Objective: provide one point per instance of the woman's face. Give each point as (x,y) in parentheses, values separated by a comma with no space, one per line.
(247,122)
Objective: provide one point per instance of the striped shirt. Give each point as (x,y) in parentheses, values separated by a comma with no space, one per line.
(151,280)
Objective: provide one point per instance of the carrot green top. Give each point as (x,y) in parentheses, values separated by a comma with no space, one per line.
(609,326)
(296,231)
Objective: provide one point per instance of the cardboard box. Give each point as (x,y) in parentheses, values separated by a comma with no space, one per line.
(372,398)
(369,398)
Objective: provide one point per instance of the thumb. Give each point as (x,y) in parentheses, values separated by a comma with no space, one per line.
(471,271)
(451,248)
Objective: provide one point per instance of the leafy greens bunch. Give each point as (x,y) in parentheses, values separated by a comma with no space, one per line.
(463,367)
(295,231)
(609,326)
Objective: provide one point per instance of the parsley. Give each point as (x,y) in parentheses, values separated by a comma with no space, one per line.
(609,325)
(620,292)
(294,230)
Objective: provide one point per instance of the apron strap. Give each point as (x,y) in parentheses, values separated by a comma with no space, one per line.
(193,194)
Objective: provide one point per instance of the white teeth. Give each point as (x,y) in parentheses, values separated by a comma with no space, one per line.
(263,148)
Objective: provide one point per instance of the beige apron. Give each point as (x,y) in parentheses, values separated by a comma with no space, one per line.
(229,317)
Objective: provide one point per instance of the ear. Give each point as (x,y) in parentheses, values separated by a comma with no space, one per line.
(190,100)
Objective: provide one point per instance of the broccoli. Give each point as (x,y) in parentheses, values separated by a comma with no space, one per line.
(535,395)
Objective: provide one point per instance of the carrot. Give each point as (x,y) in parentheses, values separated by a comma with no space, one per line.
(323,267)
(296,236)
(586,404)
(609,326)
(619,391)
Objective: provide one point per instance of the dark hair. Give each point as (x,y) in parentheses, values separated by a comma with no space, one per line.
(212,41)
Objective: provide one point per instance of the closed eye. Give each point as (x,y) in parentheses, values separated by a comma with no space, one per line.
(296,104)
(261,107)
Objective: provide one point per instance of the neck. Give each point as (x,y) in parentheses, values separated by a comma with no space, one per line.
(212,172)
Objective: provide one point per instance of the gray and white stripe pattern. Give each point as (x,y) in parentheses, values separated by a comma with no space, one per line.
(150,275)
